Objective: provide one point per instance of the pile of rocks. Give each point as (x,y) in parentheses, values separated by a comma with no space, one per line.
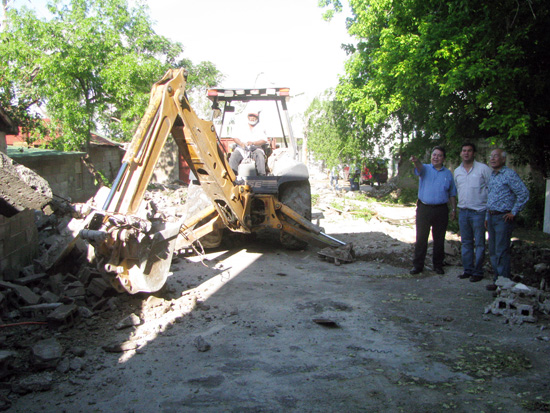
(518,303)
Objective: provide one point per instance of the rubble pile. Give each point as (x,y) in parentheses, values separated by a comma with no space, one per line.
(518,303)
(21,188)
(62,291)
(531,264)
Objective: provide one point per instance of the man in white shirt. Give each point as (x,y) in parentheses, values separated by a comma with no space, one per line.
(472,180)
(249,144)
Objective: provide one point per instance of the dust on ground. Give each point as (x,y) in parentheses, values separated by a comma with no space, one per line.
(253,327)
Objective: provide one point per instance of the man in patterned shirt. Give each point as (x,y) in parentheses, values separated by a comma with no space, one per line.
(507,197)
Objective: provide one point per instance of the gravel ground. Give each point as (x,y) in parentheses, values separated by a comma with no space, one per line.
(252,327)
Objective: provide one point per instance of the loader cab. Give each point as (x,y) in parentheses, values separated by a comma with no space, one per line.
(229,108)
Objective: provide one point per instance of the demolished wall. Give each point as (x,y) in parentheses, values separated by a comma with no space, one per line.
(21,193)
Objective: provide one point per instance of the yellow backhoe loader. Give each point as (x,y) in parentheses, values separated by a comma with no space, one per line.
(136,249)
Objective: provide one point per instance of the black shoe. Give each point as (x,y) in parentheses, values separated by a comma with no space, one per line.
(464,275)
(491,287)
(439,270)
(476,278)
(415,271)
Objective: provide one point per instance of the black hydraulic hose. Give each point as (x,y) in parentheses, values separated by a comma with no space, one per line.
(118,178)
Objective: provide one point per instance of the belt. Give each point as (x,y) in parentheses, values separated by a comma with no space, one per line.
(431,205)
(498,212)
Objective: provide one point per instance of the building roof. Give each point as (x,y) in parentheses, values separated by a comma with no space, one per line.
(16,153)
(19,139)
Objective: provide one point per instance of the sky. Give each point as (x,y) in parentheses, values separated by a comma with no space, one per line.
(284,43)
(259,42)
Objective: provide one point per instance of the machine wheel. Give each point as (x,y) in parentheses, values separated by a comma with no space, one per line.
(295,195)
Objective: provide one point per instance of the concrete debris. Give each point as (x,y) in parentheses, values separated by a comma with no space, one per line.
(6,362)
(24,294)
(63,315)
(21,187)
(131,321)
(542,267)
(518,303)
(47,353)
(201,344)
(338,255)
(35,383)
(116,347)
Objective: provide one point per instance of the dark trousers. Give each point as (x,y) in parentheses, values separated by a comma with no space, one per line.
(435,217)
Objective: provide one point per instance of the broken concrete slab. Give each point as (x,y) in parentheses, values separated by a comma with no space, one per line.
(6,362)
(130,321)
(64,314)
(116,347)
(24,293)
(47,353)
(35,383)
(98,287)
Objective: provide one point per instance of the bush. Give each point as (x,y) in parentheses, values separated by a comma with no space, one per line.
(401,196)
(532,216)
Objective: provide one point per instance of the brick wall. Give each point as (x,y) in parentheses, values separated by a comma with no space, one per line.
(18,241)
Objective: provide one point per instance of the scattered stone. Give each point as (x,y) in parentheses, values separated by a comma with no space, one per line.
(120,347)
(50,297)
(85,312)
(338,255)
(78,351)
(64,365)
(541,267)
(47,353)
(98,287)
(84,275)
(130,321)
(24,293)
(35,383)
(64,314)
(325,322)
(29,279)
(201,344)
(6,362)
(76,364)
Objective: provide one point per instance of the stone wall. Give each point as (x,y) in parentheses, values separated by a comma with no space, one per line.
(65,172)
(107,160)
(18,241)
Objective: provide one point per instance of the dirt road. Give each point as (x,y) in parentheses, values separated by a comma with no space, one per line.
(255,328)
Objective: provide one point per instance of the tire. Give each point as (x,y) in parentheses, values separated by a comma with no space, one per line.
(297,196)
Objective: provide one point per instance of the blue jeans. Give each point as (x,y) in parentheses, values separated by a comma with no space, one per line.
(472,234)
(500,233)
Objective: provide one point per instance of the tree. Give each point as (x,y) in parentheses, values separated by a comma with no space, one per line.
(448,71)
(335,135)
(90,66)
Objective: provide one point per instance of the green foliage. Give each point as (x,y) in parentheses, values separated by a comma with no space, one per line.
(91,66)
(335,135)
(450,71)
(104,179)
(358,211)
(533,214)
(314,199)
(403,196)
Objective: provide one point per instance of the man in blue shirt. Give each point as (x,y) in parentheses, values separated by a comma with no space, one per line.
(436,190)
(506,198)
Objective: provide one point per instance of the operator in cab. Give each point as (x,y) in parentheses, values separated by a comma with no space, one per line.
(249,145)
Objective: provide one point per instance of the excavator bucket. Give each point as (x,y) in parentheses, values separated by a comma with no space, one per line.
(149,271)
